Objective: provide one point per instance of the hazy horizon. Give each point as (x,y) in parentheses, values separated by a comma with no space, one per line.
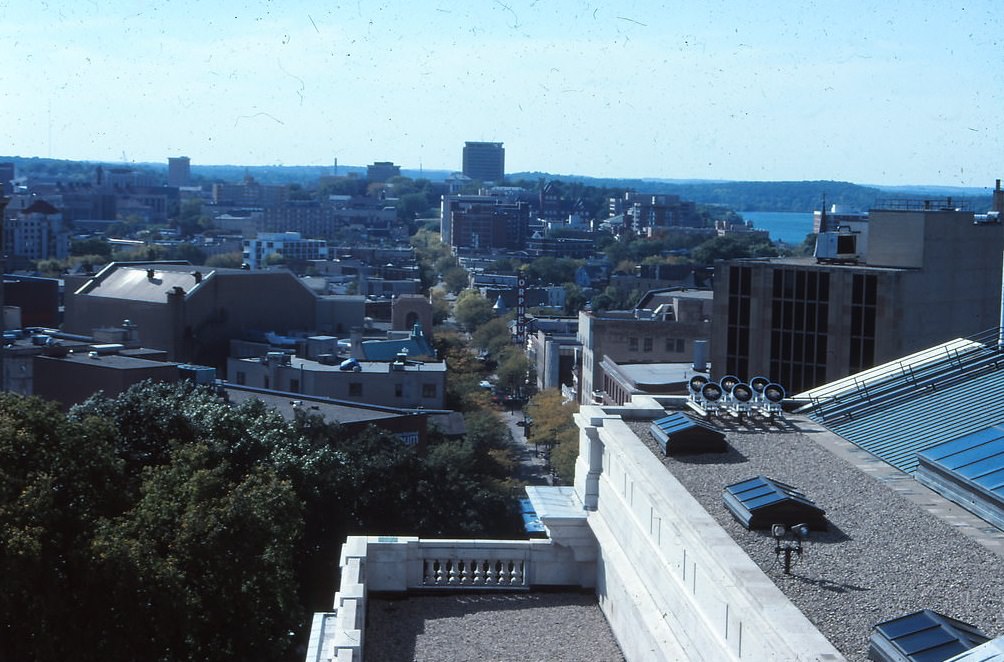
(888,95)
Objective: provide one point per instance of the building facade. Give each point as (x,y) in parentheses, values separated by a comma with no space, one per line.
(484,161)
(289,246)
(482,223)
(666,334)
(399,383)
(381,171)
(929,274)
(179,171)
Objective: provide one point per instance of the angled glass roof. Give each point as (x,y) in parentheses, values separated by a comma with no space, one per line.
(899,432)
(760,502)
(970,471)
(923,636)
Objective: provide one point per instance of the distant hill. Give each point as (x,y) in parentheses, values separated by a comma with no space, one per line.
(797,196)
(803,196)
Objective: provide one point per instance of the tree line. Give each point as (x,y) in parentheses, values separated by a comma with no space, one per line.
(167,524)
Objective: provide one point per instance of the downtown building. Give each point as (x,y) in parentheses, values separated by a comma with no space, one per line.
(484,223)
(915,273)
(484,162)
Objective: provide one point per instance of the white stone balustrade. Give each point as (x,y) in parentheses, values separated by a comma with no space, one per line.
(398,564)
(496,573)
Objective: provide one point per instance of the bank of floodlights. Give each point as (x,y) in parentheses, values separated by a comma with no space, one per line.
(733,396)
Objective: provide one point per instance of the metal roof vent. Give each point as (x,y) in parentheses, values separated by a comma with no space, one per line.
(761,502)
(678,433)
(922,635)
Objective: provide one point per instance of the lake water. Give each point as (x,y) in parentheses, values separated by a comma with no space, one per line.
(789,227)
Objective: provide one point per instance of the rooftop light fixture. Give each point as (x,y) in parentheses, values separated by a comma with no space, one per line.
(788,541)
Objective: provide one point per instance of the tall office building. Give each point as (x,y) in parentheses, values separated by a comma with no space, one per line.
(484,162)
(179,171)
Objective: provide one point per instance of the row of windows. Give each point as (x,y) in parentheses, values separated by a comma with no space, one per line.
(799,325)
(671,344)
(864,299)
(737,344)
(355,388)
(428,390)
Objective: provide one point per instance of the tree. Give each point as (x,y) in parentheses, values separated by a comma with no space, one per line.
(440,307)
(173,556)
(232,260)
(92,246)
(493,336)
(554,428)
(57,479)
(472,310)
(456,279)
(575,299)
(552,271)
(188,252)
(731,247)
(166,523)
(515,373)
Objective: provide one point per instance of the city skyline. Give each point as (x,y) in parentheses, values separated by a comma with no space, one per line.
(896,94)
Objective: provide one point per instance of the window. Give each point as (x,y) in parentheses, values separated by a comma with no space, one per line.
(647,344)
(428,390)
(398,390)
(294,386)
(241,377)
(633,344)
(355,389)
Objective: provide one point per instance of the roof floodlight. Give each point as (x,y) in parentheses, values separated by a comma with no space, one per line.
(758,384)
(742,392)
(774,393)
(697,382)
(728,382)
(711,392)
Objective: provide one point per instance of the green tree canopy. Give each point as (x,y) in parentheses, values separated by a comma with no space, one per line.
(165,523)
(472,310)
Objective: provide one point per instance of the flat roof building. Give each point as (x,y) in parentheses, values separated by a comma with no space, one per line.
(484,161)
(917,273)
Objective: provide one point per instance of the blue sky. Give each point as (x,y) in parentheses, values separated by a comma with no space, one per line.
(885,93)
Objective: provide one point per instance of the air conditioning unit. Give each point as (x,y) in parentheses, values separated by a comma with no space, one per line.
(838,246)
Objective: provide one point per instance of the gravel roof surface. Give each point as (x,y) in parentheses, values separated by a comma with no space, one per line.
(489,627)
(882,557)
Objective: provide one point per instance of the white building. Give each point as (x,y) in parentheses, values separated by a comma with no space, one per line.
(36,232)
(288,245)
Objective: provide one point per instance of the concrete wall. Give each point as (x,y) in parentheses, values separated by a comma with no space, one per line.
(671,582)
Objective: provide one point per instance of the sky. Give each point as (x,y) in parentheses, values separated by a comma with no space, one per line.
(890,93)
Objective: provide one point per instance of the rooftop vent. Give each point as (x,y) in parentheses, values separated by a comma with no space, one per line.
(678,433)
(922,635)
(150,274)
(761,502)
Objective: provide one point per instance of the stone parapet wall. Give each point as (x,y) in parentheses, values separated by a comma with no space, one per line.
(671,582)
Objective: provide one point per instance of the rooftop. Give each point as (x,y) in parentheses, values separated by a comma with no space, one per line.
(332,412)
(490,626)
(892,547)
